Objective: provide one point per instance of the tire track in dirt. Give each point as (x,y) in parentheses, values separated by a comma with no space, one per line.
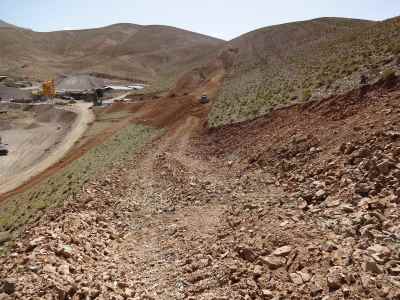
(153,245)
(84,117)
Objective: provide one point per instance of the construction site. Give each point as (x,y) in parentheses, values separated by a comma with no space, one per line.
(40,124)
(173,165)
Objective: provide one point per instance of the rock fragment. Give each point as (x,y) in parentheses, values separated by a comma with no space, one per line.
(371,266)
(296,278)
(5,236)
(282,251)
(335,278)
(273,262)
(7,286)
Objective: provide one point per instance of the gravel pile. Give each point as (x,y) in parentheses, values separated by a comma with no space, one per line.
(79,83)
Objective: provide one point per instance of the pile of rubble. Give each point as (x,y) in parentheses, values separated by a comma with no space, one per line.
(66,254)
(302,204)
(337,163)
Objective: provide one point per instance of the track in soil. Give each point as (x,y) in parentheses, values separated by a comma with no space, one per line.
(225,215)
(79,126)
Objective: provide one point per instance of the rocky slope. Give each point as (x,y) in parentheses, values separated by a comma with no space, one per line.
(337,162)
(298,204)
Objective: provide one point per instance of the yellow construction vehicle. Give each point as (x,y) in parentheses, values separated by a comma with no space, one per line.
(37,96)
(49,89)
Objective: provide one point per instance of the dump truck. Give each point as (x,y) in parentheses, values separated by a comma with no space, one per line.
(3,149)
(204,99)
(96,96)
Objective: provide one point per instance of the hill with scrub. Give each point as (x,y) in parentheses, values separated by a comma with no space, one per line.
(301,61)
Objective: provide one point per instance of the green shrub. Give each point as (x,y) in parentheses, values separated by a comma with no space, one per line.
(395,48)
(388,74)
(306,94)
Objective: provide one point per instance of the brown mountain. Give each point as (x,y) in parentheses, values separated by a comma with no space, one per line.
(5,24)
(148,53)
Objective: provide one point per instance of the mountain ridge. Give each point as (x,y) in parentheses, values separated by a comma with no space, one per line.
(5,24)
(147,53)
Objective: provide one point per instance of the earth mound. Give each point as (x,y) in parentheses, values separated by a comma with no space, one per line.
(79,83)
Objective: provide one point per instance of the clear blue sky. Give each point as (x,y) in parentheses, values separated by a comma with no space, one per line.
(224,18)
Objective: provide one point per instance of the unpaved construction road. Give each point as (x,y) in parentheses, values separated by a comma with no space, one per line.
(39,144)
(301,204)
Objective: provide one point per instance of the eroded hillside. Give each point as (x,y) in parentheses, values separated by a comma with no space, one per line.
(299,204)
(146,53)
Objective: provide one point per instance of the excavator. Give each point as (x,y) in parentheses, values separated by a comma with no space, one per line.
(48,91)
(97,97)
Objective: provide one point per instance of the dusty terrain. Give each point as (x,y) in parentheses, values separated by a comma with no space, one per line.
(38,136)
(299,204)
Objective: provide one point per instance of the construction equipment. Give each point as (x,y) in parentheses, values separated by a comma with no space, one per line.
(38,96)
(3,149)
(49,89)
(97,97)
(204,99)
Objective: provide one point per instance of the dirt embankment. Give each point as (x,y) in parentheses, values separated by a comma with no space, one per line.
(80,83)
(299,204)
(37,137)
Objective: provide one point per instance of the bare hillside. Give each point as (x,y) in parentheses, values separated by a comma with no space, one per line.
(5,24)
(146,53)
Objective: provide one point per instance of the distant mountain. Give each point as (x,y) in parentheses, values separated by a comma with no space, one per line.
(148,53)
(5,24)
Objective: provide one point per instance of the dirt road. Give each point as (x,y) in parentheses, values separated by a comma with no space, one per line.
(274,208)
(32,154)
(116,98)
(267,209)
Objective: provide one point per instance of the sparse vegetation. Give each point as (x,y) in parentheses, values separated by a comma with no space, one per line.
(388,74)
(319,58)
(25,207)
(306,95)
